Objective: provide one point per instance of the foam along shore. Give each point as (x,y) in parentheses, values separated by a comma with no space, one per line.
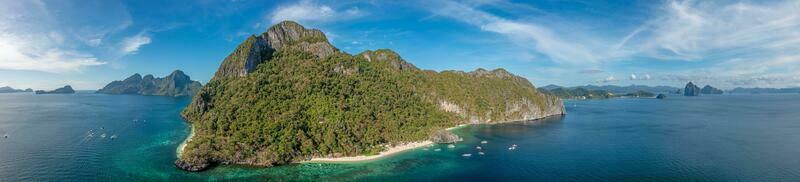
(179,151)
(389,152)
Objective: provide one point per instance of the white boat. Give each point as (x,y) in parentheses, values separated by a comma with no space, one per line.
(480,153)
(466,155)
(478,147)
(113,136)
(103,135)
(451,146)
(484,142)
(437,150)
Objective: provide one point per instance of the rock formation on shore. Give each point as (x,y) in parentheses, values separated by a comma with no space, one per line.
(175,84)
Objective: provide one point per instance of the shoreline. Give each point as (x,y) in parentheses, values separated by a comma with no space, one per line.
(362,158)
(389,152)
(395,149)
(179,151)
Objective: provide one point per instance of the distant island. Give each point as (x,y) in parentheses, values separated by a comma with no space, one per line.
(175,84)
(693,90)
(596,92)
(8,89)
(619,90)
(288,95)
(740,90)
(63,90)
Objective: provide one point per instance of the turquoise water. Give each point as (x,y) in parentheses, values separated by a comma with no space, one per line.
(708,138)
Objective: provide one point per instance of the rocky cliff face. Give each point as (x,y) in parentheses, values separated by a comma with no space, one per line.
(175,84)
(63,90)
(691,90)
(286,35)
(708,89)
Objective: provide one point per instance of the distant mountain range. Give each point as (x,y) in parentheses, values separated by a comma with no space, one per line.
(740,90)
(175,84)
(12,90)
(620,89)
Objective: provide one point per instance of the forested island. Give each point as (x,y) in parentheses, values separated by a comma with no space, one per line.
(288,95)
(175,84)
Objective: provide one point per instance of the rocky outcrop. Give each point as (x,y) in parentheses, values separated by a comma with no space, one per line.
(691,90)
(286,35)
(661,96)
(63,90)
(389,56)
(708,89)
(444,136)
(175,84)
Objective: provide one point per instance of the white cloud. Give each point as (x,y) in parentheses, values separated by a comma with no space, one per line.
(697,31)
(608,79)
(21,54)
(39,36)
(526,34)
(131,44)
(310,12)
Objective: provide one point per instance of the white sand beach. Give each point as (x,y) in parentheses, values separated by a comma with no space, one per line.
(179,151)
(389,152)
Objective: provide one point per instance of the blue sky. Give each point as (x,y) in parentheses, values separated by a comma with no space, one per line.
(47,44)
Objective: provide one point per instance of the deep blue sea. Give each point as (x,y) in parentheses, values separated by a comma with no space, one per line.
(706,138)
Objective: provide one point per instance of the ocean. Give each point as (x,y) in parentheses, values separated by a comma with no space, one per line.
(96,137)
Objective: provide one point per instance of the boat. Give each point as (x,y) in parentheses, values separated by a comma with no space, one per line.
(103,135)
(478,147)
(437,150)
(484,142)
(466,155)
(480,153)
(451,146)
(113,136)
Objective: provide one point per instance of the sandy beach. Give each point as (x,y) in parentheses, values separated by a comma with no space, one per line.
(179,151)
(389,152)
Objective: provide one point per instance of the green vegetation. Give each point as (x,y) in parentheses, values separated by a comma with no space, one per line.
(296,105)
(581,93)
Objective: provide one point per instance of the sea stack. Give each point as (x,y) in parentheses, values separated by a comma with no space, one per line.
(691,90)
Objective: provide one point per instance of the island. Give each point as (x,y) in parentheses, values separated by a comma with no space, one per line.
(592,92)
(708,89)
(175,84)
(8,89)
(289,96)
(691,90)
(63,90)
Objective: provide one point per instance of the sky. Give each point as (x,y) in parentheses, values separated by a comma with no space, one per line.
(727,44)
